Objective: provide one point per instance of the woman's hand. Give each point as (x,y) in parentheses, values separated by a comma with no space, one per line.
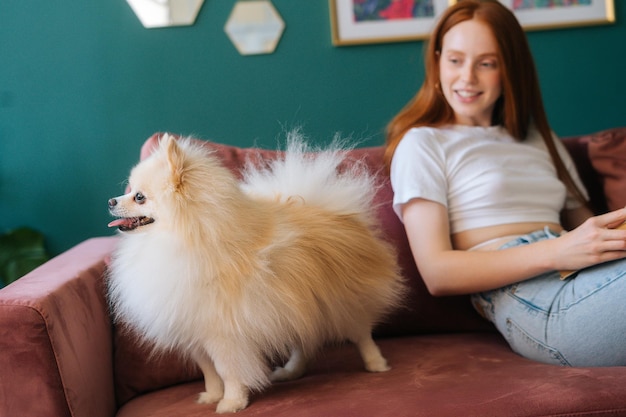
(598,239)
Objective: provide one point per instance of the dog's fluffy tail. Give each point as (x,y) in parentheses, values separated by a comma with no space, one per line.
(316,176)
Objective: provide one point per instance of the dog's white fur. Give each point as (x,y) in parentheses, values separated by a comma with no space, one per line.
(236,274)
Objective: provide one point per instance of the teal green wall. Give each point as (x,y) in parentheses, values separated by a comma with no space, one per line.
(82,84)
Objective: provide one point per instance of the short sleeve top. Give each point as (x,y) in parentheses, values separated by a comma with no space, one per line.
(482,175)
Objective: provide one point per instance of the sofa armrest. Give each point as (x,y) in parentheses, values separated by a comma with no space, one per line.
(55,338)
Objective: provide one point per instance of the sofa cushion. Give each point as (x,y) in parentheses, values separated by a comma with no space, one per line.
(607,152)
(468,375)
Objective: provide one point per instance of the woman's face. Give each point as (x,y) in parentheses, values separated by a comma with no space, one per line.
(469,72)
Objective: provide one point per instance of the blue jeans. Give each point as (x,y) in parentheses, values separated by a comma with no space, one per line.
(580,321)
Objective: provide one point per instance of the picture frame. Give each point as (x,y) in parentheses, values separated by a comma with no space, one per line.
(558,14)
(355,22)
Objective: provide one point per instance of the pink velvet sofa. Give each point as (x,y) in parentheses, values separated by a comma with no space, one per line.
(60,354)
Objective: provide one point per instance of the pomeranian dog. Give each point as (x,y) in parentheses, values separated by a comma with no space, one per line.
(237,274)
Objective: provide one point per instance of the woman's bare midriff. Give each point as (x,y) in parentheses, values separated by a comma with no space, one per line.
(492,237)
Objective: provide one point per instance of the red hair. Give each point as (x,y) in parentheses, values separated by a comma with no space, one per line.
(520,105)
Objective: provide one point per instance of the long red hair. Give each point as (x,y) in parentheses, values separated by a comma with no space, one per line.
(520,105)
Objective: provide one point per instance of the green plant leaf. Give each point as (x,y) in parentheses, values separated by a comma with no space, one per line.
(21,251)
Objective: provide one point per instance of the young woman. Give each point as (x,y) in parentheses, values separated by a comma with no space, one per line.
(486,192)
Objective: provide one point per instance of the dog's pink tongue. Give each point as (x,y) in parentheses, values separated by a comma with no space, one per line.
(119,222)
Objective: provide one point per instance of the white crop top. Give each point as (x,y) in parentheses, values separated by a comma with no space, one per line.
(482,175)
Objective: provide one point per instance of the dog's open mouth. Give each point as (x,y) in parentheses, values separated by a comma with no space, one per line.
(126,224)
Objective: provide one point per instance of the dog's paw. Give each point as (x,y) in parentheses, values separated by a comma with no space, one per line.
(377,365)
(209,397)
(231,405)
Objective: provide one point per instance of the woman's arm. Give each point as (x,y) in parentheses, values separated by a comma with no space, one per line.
(447,271)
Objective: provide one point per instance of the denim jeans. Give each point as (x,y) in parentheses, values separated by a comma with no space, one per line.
(580,321)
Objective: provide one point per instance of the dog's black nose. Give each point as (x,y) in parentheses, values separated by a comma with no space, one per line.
(112,203)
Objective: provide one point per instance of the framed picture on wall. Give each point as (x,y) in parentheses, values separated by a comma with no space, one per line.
(376,21)
(553,14)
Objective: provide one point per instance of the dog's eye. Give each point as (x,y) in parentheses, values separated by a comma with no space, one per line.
(140,198)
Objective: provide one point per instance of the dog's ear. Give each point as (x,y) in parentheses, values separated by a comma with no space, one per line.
(175,160)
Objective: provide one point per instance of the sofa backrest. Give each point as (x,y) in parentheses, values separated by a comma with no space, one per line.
(606,152)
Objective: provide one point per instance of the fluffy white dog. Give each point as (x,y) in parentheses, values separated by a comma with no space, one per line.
(236,274)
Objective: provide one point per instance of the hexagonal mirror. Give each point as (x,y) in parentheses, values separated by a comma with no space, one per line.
(254,27)
(165,13)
